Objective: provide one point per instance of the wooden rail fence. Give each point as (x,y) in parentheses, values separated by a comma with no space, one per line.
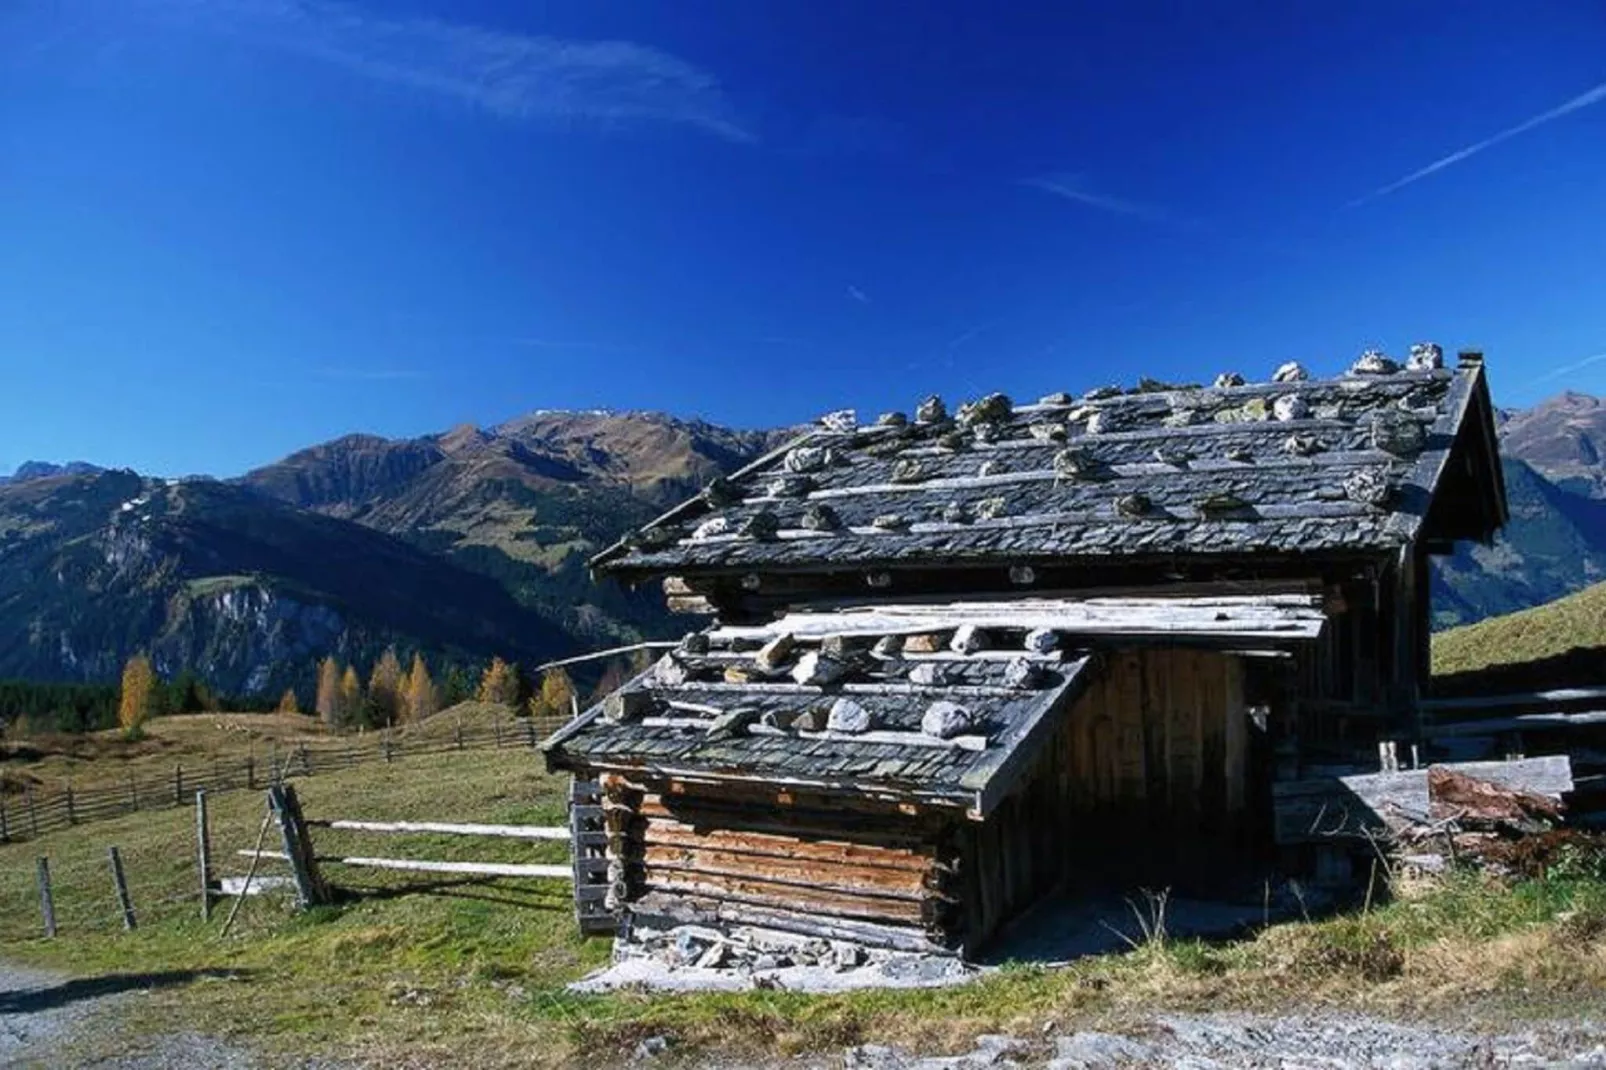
(35,811)
(586,868)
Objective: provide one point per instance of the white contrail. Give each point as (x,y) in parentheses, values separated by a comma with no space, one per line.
(1583,100)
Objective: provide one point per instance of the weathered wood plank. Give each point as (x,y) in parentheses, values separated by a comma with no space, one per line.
(802,873)
(1317,810)
(514,832)
(785,897)
(672,833)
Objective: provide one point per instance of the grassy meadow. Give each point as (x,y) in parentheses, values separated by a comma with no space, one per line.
(474,972)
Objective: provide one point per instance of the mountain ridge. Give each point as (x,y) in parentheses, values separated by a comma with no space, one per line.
(474,540)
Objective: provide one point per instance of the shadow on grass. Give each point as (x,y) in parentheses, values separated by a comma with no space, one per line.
(475,888)
(35,1000)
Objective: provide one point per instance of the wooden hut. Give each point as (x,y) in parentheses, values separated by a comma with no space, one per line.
(960,658)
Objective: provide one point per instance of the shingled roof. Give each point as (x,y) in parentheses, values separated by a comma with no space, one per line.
(1295,465)
(938,704)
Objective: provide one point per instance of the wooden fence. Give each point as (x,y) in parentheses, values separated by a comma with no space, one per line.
(36,811)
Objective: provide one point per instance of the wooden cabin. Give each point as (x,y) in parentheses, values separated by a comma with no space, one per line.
(963,660)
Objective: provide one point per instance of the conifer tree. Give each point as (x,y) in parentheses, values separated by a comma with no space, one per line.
(421,697)
(385,687)
(288,702)
(328,702)
(138,694)
(350,697)
(500,684)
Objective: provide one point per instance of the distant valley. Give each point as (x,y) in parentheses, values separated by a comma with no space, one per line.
(474,541)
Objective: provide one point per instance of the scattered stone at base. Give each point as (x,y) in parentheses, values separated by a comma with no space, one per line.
(652,1047)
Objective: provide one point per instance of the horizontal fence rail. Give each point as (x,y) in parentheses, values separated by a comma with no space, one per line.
(37,810)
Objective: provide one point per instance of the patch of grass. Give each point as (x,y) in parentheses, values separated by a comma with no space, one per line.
(1577,621)
(473,973)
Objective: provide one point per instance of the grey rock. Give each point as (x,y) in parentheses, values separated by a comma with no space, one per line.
(821,517)
(1425,356)
(842,420)
(946,719)
(967,639)
(1290,407)
(1291,372)
(848,716)
(1045,431)
(931,411)
(1041,641)
(714,525)
(761,525)
(956,513)
(652,1047)
(1398,433)
(908,470)
(1059,397)
(1227,380)
(993,408)
(814,669)
(794,485)
(929,674)
(805,459)
(694,643)
(1089,1050)
(1373,362)
(888,646)
(892,419)
(1021,673)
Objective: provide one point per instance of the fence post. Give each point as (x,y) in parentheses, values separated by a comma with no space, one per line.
(459,732)
(178,785)
(529,731)
(384,745)
(496,729)
(310,887)
(47,903)
(33,811)
(5,826)
(306,761)
(123,901)
(203,854)
(250,772)
(133,791)
(72,811)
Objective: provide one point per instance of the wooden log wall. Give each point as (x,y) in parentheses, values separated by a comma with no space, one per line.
(1154,757)
(809,860)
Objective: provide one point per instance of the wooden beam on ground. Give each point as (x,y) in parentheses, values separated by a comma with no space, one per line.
(1321,810)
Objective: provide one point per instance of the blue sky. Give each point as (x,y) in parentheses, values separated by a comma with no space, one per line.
(236,227)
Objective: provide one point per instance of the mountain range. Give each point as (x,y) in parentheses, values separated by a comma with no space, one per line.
(473,542)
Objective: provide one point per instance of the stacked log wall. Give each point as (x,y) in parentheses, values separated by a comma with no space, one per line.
(808,862)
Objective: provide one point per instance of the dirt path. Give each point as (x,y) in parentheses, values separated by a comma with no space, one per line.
(47,1020)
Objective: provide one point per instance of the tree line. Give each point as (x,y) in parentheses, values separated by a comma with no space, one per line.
(343,697)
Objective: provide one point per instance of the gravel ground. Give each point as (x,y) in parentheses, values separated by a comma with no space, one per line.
(1212,1041)
(51,1021)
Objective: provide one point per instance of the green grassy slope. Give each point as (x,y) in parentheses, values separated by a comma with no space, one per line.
(1554,634)
(472,974)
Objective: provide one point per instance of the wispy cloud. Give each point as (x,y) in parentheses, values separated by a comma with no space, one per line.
(1583,100)
(512,75)
(1074,188)
(1568,369)
(858,295)
(967,335)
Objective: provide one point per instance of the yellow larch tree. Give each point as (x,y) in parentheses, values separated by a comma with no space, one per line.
(350,697)
(385,687)
(138,695)
(421,697)
(500,684)
(328,701)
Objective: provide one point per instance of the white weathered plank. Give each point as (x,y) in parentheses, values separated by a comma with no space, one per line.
(882,736)
(1317,810)
(514,832)
(482,869)
(1516,700)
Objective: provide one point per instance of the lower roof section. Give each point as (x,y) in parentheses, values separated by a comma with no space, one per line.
(936,704)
